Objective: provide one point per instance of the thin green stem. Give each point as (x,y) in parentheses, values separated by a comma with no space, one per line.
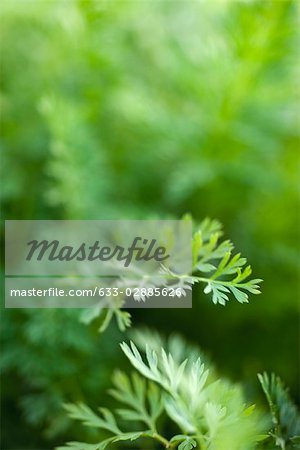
(164,441)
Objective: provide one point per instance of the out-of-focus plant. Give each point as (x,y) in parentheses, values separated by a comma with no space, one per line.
(190,393)
(285,417)
(49,358)
(149,109)
(208,413)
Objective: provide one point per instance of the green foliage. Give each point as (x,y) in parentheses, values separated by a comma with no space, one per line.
(285,417)
(213,265)
(60,367)
(208,413)
(43,406)
(226,272)
(174,344)
(147,110)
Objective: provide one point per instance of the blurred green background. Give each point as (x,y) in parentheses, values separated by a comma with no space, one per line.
(150,109)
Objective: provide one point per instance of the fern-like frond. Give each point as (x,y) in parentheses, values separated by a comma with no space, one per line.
(142,399)
(284,414)
(224,275)
(208,414)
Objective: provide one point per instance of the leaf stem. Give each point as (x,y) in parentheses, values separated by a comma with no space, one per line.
(164,441)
